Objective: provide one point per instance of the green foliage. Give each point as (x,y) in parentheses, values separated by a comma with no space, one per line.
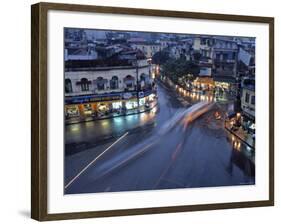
(178,68)
(160,57)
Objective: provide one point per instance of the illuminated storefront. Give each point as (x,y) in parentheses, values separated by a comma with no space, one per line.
(131,104)
(117,105)
(151,97)
(87,109)
(142,101)
(204,83)
(225,83)
(222,85)
(71,111)
(102,106)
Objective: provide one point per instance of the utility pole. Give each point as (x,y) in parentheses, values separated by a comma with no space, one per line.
(137,71)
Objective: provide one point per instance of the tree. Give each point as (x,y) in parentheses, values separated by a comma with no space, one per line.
(160,57)
(178,68)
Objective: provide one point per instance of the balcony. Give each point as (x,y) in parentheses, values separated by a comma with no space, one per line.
(221,60)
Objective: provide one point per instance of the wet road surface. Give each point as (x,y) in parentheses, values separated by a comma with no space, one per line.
(199,153)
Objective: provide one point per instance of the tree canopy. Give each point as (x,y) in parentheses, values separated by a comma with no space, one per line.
(177,68)
(160,57)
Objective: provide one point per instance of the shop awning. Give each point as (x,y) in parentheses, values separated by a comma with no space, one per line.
(205,80)
(227,79)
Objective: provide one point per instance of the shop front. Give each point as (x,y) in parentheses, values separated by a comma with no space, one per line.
(105,106)
(248,122)
(117,107)
(225,85)
(131,104)
(110,108)
(86,109)
(203,83)
(222,85)
(103,109)
(71,111)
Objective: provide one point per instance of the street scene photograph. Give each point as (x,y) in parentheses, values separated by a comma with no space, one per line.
(157,111)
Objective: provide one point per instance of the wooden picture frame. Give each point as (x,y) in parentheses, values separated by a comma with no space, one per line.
(39,108)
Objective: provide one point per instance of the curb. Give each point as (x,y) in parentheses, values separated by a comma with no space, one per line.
(232,132)
(103,118)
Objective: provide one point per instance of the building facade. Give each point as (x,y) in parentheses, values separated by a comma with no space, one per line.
(248,102)
(225,57)
(204,46)
(107,91)
(248,107)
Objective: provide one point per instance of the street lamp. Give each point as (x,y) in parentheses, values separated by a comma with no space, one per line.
(137,72)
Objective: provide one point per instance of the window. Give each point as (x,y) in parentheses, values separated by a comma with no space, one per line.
(217,56)
(101,83)
(143,77)
(129,84)
(114,82)
(225,56)
(247,97)
(129,81)
(68,86)
(84,84)
(253,100)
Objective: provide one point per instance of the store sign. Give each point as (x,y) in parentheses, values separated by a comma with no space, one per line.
(105,97)
(127,95)
(92,98)
(141,94)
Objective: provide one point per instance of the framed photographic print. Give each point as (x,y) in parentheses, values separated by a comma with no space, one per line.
(140,111)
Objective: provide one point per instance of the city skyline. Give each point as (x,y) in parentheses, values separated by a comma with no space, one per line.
(101,33)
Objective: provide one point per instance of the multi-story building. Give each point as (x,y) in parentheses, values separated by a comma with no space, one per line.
(248,103)
(246,64)
(180,50)
(224,71)
(203,45)
(225,54)
(147,47)
(109,87)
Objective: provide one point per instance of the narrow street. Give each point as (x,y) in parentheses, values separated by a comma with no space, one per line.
(200,153)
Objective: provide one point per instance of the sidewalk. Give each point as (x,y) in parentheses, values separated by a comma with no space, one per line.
(241,134)
(111,115)
(169,86)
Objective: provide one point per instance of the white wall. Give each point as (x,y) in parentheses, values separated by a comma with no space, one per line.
(76,76)
(15,112)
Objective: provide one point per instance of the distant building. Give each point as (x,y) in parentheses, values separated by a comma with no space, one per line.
(181,50)
(246,58)
(224,70)
(147,47)
(225,53)
(203,45)
(95,34)
(81,54)
(217,58)
(205,71)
